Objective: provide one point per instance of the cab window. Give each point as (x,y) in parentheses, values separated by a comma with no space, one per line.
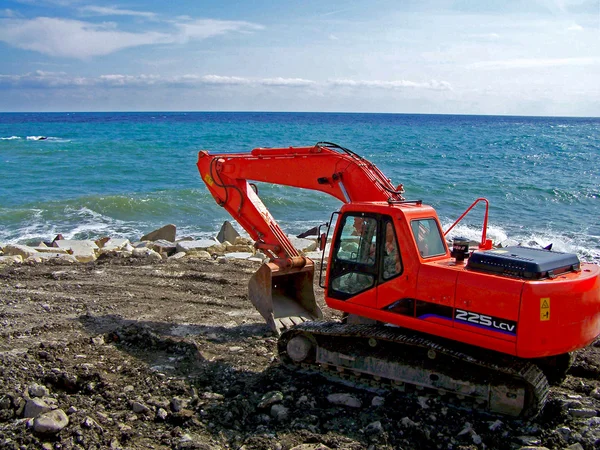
(428,237)
(353,266)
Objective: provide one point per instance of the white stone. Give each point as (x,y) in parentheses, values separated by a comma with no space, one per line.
(22,250)
(147,253)
(83,251)
(190,246)
(178,255)
(46,249)
(238,255)
(13,259)
(43,257)
(116,244)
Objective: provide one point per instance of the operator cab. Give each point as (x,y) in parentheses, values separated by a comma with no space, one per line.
(371,249)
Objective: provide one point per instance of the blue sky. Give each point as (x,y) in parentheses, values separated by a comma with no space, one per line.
(535,57)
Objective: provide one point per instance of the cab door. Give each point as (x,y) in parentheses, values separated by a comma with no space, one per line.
(354,267)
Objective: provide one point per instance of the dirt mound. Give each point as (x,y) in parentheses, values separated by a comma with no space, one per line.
(172,355)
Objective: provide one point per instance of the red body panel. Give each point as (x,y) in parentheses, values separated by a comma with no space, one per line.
(500,313)
(432,294)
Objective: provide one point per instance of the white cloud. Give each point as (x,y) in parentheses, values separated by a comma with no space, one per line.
(396,84)
(42,79)
(525,63)
(205,28)
(107,11)
(78,39)
(575,27)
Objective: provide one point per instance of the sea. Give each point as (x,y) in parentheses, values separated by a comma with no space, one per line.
(123,174)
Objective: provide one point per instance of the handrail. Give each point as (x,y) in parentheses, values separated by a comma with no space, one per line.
(485,243)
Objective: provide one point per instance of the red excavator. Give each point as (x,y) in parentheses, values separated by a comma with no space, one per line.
(491,327)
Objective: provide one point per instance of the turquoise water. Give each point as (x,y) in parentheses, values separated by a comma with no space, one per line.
(124,174)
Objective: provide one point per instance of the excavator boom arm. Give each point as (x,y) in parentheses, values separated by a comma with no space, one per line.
(324,167)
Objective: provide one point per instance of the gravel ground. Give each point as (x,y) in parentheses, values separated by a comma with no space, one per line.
(123,353)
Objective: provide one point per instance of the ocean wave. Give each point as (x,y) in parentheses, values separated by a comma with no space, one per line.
(47,138)
(10,138)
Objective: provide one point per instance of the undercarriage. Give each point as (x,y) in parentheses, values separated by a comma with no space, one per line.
(385,357)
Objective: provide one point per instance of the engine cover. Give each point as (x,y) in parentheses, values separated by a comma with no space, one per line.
(523,262)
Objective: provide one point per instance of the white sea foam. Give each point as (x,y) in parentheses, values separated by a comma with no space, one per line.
(10,138)
(47,138)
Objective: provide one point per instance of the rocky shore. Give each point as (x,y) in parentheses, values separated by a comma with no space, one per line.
(154,344)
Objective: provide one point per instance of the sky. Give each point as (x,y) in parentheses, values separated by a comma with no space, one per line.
(509,57)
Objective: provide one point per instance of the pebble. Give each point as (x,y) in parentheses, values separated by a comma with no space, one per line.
(139,408)
(270,398)
(162,414)
(377,401)
(374,428)
(279,412)
(50,422)
(37,390)
(583,412)
(344,400)
(34,407)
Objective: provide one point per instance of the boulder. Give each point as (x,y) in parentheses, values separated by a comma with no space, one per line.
(56,257)
(167,233)
(83,251)
(46,249)
(227,233)
(115,244)
(22,250)
(147,253)
(162,246)
(14,259)
(191,246)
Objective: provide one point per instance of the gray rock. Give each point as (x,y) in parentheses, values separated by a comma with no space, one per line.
(377,401)
(161,414)
(344,400)
(5,403)
(139,408)
(279,412)
(34,407)
(147,253)
(51,422)
(177,404)
(37,390)
(576,446)
(374,428)
(270,398)
(583,412)
(407,422)
(227,232)
(167,233)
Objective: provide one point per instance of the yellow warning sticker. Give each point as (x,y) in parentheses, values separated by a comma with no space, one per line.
(544,308)
(208,179)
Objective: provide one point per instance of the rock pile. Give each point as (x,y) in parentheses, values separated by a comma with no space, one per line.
(155,246)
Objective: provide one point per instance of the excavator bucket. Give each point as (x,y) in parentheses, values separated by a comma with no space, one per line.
(284,297)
